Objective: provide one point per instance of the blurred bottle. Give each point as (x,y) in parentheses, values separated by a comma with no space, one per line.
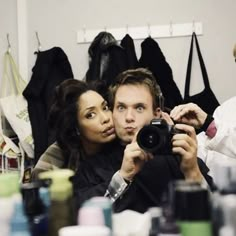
(35,208)
(192,209)
(225,182)
(85,230)
(101,204)
(228,206)
(9,188)
(155,217)
(19,225)
(61,208)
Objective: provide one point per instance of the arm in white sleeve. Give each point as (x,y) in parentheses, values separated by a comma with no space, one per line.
(222,147)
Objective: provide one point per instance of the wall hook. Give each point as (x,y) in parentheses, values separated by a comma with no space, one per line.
(84,33)
(171,29)
(149,30)
(193,26)
(127,29)
(39,44)
(8,43)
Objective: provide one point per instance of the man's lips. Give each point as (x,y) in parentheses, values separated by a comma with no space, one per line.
(130,129)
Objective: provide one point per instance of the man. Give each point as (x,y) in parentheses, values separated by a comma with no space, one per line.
(216,144)
(143,177)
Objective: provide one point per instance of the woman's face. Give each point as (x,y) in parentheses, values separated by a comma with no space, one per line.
(95,120)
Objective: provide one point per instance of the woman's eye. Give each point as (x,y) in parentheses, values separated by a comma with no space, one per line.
(106,108)
(90,115)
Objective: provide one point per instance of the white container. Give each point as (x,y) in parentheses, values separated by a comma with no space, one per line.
(84,230)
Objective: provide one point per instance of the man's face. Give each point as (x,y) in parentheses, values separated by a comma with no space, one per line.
(133,108)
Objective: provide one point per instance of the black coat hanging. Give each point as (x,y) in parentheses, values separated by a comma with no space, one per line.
(127,44)
(106,59)
(51,68)
(153,59)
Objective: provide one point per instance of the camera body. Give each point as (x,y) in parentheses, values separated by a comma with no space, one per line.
(156,137)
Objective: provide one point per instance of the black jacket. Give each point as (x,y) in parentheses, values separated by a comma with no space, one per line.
(127,44)
(106,59)
(153,59)
(51,68)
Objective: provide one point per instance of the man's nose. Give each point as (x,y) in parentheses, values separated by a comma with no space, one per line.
(130,116)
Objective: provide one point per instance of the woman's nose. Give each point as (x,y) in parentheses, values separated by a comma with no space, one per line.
(105,117)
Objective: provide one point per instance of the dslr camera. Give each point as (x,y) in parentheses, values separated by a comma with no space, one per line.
(156,137)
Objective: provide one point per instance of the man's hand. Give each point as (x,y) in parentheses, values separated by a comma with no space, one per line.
(185,144)
(190,114)
(133,160)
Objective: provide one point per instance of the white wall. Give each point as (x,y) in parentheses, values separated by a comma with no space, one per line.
(57,22)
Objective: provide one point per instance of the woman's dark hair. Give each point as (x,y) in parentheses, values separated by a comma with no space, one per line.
(63,119)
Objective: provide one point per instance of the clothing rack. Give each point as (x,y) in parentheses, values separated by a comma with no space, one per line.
(155,31)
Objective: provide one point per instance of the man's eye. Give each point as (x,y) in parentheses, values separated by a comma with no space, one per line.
(120,108)
(90,115)
(140,109)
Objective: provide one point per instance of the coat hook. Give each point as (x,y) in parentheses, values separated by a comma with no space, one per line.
(84,33)
(193,26)
(39,44)
(171,28)
(8,42)
(234,52)
(149,30)
(127,29)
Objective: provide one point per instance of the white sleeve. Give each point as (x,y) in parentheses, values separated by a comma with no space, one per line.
(222,147)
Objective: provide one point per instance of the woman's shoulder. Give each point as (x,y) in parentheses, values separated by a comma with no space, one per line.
(51,159)
(53,156)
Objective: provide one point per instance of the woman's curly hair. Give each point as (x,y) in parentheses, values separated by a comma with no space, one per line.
(63,120)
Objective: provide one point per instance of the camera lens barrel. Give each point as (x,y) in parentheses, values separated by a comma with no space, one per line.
(150,138)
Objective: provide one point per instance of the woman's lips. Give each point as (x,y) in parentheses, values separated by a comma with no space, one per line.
(109,131)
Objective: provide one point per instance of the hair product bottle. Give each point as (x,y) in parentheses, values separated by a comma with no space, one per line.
(192,209)
(35,209)
(60,211)
(9,186)
(102,203)
(19,225)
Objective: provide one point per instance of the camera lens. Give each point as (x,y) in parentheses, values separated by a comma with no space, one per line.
(149,138)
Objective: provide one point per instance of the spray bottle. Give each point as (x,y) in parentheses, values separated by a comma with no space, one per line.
(60,210)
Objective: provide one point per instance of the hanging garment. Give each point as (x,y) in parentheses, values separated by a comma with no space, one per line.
(51,68)
(107,59)
(153,59)
(205,99)
(130,55)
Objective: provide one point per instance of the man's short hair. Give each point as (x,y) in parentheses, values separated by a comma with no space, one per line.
(139,76)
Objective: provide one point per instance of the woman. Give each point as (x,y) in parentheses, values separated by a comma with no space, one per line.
(82,122)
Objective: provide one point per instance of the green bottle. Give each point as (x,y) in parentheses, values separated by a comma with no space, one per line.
(192,209)
(60,210)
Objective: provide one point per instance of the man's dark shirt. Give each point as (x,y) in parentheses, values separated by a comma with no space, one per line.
(147,188)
